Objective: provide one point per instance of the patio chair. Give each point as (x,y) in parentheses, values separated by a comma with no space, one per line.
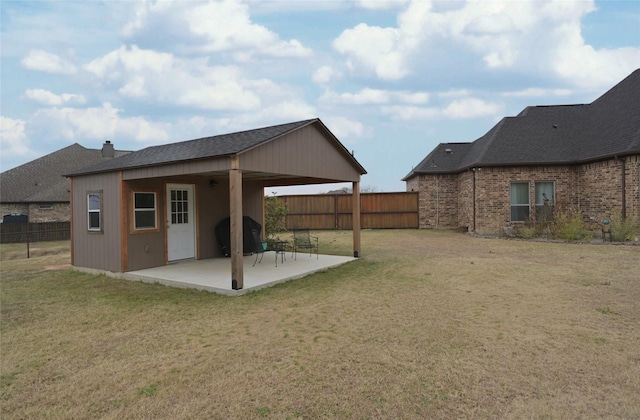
(302,239)
(260,247)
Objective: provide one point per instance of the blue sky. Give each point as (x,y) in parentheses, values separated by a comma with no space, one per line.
(391,79)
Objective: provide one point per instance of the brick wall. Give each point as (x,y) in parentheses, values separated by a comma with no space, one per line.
(49,212)
(601,189)
(633,187)
(465,200)
(493,208)
(39,212)
(594,189)
(9,208)
(437,200)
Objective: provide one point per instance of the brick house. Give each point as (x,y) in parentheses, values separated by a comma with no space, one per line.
(38,188)
(583,158)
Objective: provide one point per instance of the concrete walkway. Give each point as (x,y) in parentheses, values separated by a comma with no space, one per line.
(214,274)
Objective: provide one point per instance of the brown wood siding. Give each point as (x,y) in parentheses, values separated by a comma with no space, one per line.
(100,250)
(304,153)
(378,211)
(213,206)
(179,169)
(146,249)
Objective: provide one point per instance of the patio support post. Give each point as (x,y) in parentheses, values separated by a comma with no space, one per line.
(235,215)
(356,219)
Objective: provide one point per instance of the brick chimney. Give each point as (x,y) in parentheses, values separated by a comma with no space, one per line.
(107,150)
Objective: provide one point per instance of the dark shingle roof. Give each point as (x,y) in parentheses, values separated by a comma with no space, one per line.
(207,147)
(564,134)
(42,179)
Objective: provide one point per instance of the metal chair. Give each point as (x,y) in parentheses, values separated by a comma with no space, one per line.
(260,247)
(302,239)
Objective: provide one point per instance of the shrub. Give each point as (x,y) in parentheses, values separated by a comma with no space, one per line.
(568,226)
(275,215)
(623,230)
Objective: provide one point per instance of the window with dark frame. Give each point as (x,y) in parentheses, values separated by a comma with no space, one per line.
(144,210)
(519,201)
(545,199)
(94,210)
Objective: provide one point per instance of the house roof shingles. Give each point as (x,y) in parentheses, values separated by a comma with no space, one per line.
(42,180)
(206,147)
(563,134)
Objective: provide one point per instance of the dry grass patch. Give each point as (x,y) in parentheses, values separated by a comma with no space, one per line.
(427,325)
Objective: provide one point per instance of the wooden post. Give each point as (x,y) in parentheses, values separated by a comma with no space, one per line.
(235,214)
(124,231)
(71,219)
(356,219)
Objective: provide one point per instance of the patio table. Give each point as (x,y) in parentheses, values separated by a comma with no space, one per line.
(280,248)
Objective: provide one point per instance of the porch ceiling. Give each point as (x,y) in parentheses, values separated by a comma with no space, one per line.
(273,180)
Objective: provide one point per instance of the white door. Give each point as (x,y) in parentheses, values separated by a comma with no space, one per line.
(181,223)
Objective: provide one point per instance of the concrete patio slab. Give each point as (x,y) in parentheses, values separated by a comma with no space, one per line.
(214,275)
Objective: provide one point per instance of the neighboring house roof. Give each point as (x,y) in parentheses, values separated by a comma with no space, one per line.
(551,135)
(206,147)
(42,180)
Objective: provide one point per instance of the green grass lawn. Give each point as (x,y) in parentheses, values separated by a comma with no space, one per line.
(428,324)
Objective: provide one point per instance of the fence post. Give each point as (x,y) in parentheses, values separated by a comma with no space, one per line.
(335,211)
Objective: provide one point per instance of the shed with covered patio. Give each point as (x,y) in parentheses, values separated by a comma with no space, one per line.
(161,204)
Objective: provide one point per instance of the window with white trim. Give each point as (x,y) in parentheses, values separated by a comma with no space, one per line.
(94,211)
(545,199)
(519,201)
(144,210)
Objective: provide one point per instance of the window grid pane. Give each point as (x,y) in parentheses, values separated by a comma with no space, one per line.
(179,206)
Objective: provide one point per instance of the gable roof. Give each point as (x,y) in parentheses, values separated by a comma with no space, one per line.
(42,179)
(553,135)
(206,147)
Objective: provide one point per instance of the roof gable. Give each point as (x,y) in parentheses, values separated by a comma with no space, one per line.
(562,134)
(42,179)
(206,147)
(202,148)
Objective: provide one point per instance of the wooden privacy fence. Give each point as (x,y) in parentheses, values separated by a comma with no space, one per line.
(34,232)
(397,210)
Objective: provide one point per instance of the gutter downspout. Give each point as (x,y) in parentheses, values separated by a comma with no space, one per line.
(624,188)
(474,198)
(437,201)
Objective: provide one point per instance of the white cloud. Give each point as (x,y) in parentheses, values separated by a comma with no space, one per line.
(409,113)
(461,109)
(13,139)
(46,97)
(537,93)
(381,4)
(50,63)
(344,128)
(210,27)
(163,78)
(375,48)
(454,93)
(277,113)
(96,123)
(324,75)
(523,36)
(369,96)
(471,108)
